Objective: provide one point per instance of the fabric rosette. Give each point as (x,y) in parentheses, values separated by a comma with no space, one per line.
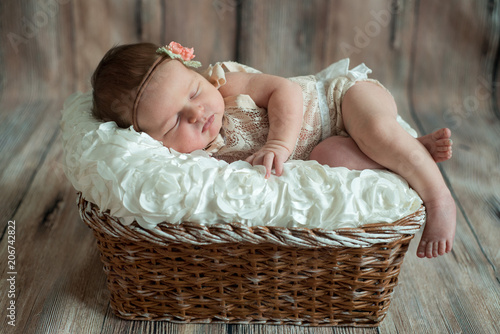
(242,193)
(176,51)
(376,191)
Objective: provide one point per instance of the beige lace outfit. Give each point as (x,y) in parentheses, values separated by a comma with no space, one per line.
(245,125)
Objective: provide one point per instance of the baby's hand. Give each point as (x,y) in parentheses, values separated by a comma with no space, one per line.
(272,154)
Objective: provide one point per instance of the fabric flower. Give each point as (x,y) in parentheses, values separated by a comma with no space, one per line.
(176,51)
(186,53)
(241,192)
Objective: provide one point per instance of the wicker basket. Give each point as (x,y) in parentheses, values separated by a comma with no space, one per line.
(231,273)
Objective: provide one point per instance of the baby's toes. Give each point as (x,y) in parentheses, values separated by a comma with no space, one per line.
(421,248)
(443,149)
(442,156)
(444,144)
(431,250)
(444,133)
(442,248)
(443,152)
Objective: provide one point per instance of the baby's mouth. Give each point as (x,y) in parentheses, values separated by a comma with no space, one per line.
(208,123)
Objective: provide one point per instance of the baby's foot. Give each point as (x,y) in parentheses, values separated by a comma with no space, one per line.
(439,230)
(438,144)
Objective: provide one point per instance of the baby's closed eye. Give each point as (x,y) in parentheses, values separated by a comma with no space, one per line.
(195,93)
(173,124)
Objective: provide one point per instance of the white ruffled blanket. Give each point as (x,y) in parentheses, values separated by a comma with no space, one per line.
(137,178)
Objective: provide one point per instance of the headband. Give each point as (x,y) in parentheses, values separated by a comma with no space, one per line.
(173,51)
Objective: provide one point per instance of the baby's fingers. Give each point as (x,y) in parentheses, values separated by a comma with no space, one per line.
(268,163)
(265,160)
(250,159)
(278,166)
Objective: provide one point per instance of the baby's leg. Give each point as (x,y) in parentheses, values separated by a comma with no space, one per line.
(339,151)
(369,114)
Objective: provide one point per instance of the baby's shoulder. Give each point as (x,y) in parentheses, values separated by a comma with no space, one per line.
(232,66)
(221,68)
(217,74)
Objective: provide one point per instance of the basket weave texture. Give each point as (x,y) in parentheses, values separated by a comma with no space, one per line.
(231,273)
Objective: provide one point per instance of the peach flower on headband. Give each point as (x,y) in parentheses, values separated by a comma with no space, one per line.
(185,53)
(176,51)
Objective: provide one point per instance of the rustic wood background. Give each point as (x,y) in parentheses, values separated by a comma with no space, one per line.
(439,58)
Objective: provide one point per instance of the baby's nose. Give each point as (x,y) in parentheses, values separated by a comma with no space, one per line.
(195,113)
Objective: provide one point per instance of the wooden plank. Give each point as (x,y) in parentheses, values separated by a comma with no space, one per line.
(150,17)
(115,325)
(296,37)
(59,277)
(32,53)
(98,26)
(208,26)
(263,329)
(28,120)
(34,46)
(277,36)
(13,41)
(27,129)
(452,294)
(457,292)
(442,97)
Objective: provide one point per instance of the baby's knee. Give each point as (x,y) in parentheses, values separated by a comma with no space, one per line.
(330,150)
(319,152)
(342,152)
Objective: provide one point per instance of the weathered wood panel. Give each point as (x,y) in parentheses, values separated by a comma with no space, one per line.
(35,49)
(28,130)
(210,26)
(207,25)
(456,92)
(32,66)
(302,37)
(451,72)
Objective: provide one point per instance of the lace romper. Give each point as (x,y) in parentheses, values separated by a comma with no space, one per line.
(245,125)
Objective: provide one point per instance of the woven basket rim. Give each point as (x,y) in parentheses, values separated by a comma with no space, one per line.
(302,237)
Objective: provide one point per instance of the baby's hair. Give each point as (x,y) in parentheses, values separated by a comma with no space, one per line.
(117,78)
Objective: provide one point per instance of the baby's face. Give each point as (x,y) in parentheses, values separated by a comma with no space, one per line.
(180,108)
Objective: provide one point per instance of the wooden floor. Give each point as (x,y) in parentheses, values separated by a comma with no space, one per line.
(49,263)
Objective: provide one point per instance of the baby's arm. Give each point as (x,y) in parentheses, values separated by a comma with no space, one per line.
(283,100)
